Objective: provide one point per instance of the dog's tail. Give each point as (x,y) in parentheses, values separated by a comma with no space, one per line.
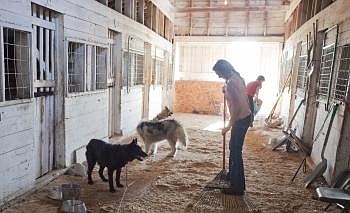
(182,135)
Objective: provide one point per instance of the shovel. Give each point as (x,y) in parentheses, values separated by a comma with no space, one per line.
(322,166)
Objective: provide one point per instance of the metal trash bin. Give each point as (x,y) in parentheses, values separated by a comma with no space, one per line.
(73,206)
(70,192)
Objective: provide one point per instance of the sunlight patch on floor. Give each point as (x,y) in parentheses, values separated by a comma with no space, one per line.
(214,127)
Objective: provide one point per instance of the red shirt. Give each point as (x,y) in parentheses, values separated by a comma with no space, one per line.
(252,87)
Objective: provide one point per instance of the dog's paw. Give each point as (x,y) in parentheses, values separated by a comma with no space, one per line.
(90,182)
(112,190)
(120,185)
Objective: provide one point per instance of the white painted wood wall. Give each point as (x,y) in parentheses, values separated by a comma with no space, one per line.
(85,114)
(17,168)
(155,100)
(336,13)
(131,109)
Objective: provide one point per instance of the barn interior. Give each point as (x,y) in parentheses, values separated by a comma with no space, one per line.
(72,71)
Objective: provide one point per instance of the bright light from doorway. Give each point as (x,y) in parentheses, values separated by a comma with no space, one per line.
(251,59)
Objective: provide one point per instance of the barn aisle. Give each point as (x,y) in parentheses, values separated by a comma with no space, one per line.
(161,184)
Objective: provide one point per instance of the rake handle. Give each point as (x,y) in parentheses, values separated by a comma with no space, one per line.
(224,137)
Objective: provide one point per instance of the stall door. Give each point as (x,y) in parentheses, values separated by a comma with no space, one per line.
(114,84)
(43,41)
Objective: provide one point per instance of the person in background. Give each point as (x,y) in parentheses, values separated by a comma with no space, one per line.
(253,93)
(240,118)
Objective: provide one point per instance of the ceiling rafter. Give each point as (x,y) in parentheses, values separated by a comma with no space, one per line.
(190,30)
(247,18)
(232,9)
(208,22)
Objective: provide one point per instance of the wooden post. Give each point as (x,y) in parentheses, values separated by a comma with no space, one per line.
(148,14)
(60,148)
(311,103)
(140,11)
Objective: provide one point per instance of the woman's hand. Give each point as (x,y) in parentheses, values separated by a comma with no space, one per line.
(225,129)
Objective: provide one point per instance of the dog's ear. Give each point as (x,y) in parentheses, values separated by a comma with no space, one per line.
(134,141)
(166,108)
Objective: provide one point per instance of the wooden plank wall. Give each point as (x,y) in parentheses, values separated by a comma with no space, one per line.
(86,22)
(336,13)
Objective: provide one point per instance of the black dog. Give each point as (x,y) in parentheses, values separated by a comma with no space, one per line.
(112,156)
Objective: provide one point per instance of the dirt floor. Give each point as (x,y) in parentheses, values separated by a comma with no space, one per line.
(161,184)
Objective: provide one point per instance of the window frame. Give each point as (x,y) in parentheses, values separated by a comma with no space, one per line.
(29,78)
(130,70)
(89,78)
(328,97)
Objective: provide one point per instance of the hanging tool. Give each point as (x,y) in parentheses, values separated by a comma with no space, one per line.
(322,166)
(268,119)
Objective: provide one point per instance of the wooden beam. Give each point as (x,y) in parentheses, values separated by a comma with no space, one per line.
(265,19)
(208,21)
(247,18)
(140,11)
(119,6)
(232,9)
(226,23)
(148,14)
(190,27)
(228,39)
(129,8)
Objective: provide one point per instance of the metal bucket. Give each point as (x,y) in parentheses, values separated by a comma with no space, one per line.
(55,193)
(70,192)
(73,206)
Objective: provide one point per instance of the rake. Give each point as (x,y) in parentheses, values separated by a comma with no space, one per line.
(219,182)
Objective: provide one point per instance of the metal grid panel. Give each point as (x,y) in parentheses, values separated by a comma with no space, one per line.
(16,64)
(157,74)
(327,60)
(76,66)
(138,77)
(342,80)
(125,72)
(133,69)
(101,68)
(302,74)
(170,79)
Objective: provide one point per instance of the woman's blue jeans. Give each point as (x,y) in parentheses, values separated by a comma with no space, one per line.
(236,168)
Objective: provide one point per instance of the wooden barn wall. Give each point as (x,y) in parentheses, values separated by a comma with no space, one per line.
(17,157)
(86,113)
(131,109)
(204,97)
(336,13)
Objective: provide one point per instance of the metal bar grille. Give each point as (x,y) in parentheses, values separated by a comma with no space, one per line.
(133,69)
(101,68)
(342,80)
(302,74)
(139,69)
(326,70)
(16,64)
(76,66)
(157,74)
(43,49)
(170,78)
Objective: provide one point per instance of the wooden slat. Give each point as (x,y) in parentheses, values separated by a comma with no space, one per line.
(52,55)
(43,23)
(2,67)
(47,54)
(44,83)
